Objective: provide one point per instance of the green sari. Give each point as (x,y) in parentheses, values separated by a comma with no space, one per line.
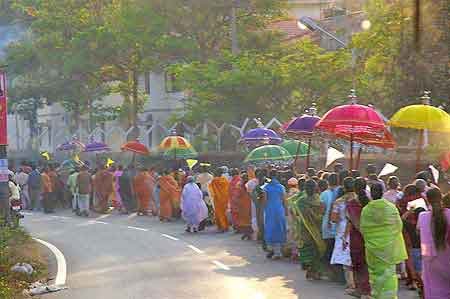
(307,218)
(381,227)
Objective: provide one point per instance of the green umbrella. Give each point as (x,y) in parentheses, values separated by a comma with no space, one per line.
(268,154)
(180,153)
(296,148)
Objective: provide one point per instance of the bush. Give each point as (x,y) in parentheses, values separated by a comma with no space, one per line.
(16,246)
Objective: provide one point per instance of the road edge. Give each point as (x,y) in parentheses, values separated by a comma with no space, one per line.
(61,274)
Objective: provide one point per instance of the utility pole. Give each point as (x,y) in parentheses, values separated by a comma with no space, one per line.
(4,177)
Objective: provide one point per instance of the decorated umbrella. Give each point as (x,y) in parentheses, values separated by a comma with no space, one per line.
(353,121)
(260,136)
(184,153)
(136,148)
(421,117)
(268,154)
(97,147)
(175,143)
(72,145)
(302,128)
(295,147)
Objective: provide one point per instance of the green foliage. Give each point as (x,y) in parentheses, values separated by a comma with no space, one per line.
(281,81)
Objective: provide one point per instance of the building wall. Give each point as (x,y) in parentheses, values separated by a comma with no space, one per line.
(309,8)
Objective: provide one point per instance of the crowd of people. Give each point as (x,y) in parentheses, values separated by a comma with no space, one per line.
(339,225)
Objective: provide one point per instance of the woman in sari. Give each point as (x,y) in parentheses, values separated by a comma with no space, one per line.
(410,234)
(169,195)
(118,200)
(235,185)
(359,265)
(381,227)
(275,228)
(341,250)
(434,227)
(193,207)
(244,209)
(219,189)
(309,218)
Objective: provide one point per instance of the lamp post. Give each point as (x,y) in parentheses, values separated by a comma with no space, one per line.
(305,23)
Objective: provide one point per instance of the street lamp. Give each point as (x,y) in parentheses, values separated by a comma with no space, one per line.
(307,23)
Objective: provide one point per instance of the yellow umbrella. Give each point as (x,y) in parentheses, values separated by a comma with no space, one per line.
(421,117)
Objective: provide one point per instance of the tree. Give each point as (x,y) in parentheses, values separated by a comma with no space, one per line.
(281,81)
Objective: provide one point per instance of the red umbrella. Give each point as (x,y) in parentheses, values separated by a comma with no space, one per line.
(354,122)
(135,147)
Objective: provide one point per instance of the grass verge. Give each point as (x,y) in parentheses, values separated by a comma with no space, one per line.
(16,246)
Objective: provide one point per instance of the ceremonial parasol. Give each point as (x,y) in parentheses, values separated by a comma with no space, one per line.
(421,117)
(184,153)
(72,145)
(302,128)
(97,147)
(353,122)
(268,154)
(175,143)
(260,136)
(295,147)
(135,147)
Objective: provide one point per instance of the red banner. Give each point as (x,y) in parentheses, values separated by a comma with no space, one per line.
(3,110)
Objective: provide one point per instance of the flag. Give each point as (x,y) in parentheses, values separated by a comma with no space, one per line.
(109,162)
(435,173)
(388,169)
(332,155)
(46,155)
(191,163)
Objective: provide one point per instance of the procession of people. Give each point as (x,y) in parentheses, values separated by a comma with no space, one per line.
(338,224)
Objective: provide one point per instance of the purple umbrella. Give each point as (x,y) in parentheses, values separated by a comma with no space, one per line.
(97,147)
(70,146)
(302,127)
(261,136)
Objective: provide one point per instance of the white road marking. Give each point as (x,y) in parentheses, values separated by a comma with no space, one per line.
(102,217)
(100,222)
(169,237)
(27,213)
(138,228)
(221,266)
(132,215)
(61,275)
(60,217)
(196,249)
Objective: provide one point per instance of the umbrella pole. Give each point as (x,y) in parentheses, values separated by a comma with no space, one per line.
(419,150)
(351,152)
(308,153)
(296,157)
(133,159)
(358,157)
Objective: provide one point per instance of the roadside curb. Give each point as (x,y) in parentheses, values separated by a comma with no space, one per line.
(61,275)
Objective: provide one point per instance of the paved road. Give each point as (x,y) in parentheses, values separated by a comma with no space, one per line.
(129,257)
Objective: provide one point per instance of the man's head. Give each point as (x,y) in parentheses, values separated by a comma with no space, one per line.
(421,185)
(333,179)
(310,172)
(338,167)
(310,187)
(348,184)
(393,182)
(371,169)
(376,191)
(234,172)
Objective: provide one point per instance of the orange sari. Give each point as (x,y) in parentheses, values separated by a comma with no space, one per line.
(142,190)
(219,189)
(169,196)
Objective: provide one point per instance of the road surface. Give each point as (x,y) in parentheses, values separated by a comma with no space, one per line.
(128,257)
